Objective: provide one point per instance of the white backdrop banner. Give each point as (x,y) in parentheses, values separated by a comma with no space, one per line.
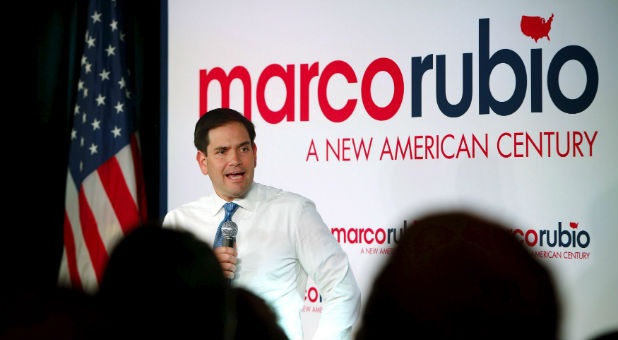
(381,112)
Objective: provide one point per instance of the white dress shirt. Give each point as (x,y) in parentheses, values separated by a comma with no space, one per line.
(281,239)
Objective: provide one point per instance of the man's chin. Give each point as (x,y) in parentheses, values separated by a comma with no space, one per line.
(232,190)
(239,192)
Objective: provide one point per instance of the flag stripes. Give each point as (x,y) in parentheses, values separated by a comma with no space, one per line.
(107,211)
(92,238)
(71,257)
(122,203)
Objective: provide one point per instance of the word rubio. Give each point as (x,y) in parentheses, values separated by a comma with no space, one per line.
(575,238)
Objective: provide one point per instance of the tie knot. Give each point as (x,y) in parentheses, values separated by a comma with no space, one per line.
(230,208)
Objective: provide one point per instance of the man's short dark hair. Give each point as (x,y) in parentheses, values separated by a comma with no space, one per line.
(216,118)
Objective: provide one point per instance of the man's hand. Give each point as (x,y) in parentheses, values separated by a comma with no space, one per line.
(227,258)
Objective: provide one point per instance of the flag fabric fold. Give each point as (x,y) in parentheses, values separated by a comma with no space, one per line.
(105,197)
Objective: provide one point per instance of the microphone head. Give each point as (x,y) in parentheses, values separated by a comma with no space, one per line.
(229,230)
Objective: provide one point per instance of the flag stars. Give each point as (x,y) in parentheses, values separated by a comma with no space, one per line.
(99,68)
(96,124)
(116,131)
(104,75)
(119,107)
(100,100)
(110,50)
(90,41)
(96,17)
(93,149)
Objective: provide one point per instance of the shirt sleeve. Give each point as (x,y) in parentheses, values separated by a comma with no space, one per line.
(327,264)
(171,220)
(168,221)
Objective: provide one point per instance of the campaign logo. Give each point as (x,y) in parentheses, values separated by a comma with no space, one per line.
(373,240)
(570,243)
(487,60)
(313,301)
(536,27)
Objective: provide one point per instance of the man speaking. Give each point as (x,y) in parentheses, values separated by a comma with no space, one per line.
(281,239)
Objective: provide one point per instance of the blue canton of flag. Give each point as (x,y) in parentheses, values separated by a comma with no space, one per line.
(103,117)
(104,193)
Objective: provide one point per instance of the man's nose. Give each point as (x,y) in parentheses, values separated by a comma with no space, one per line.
(234,157)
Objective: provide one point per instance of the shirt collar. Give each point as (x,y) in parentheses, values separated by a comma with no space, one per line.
(248,202)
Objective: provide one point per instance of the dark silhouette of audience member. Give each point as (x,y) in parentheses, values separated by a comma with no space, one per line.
(166,283)
(162,283)
(254,318)
(608,335)
(457,276)
(59,313)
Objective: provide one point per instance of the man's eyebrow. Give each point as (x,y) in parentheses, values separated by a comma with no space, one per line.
(224,148)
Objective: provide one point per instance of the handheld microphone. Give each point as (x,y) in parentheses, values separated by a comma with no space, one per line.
(228,233)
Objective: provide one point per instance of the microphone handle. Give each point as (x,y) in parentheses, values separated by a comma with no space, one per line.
(228,242)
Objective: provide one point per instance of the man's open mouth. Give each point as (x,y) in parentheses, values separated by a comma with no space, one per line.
(235,175)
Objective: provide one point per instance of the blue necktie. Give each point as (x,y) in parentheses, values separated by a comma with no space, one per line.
(230,208)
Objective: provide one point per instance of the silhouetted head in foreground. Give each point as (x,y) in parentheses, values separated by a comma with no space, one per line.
(458,276)
(162,283)
(254,318)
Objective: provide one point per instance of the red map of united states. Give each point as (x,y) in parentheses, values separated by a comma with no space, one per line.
(536,27)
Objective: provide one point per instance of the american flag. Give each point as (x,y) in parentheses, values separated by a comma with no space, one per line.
(105,197)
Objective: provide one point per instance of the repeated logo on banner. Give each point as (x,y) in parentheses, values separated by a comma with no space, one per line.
(372,240)
(555,243)
(509,111)
(313,300)
(558,242)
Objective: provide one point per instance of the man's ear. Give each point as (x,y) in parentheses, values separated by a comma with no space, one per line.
(201,161)
(254,155)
